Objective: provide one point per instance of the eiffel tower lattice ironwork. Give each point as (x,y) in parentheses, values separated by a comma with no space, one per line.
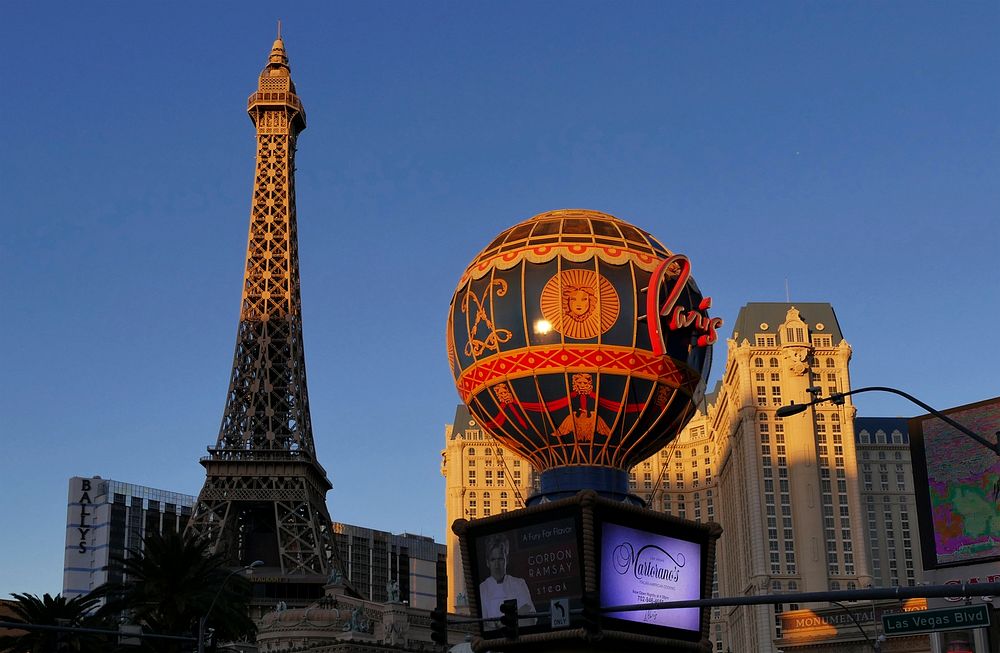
(264,493)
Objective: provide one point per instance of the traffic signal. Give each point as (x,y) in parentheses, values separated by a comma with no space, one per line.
(508,618)
(439,626)
(591,615)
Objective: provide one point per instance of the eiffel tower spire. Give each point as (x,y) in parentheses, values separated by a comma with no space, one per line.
(264,493)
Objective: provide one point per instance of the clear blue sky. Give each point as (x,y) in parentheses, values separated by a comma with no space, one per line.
(851,149)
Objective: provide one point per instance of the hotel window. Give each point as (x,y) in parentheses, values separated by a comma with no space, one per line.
(758,362)
(829,362)
(773,362)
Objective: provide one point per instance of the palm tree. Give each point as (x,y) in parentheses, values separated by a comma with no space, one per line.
(54,611)
(171,584)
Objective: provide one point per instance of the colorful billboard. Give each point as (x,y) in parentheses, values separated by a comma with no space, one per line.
(958,486)
(638,566)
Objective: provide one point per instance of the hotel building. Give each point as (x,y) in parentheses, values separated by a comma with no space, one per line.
(374,560)
(105,519)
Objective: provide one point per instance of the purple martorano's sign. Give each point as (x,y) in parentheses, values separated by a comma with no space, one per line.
(642,567)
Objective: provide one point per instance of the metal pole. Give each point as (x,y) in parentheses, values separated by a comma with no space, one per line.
(202,621)
(838,397)
(895,593)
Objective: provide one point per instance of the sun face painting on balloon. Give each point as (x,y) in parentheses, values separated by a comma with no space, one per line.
(553,351)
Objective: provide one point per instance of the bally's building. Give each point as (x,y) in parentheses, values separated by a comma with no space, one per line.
(105,519)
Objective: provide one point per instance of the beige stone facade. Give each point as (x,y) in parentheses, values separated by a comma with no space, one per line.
(787,492)
(482,479)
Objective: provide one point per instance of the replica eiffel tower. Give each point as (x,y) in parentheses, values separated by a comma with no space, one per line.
(264,493)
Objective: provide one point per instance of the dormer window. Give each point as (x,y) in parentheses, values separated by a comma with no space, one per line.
(795,334)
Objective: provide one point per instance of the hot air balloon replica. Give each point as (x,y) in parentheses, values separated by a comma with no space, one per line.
(581,343)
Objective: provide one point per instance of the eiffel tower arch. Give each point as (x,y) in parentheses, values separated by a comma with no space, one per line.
(264,492)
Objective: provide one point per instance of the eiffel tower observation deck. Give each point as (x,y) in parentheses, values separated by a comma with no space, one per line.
(264,492)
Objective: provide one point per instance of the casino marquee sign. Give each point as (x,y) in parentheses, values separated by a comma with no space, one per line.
(589,551)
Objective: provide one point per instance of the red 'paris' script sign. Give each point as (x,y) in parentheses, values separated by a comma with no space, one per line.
(680,316)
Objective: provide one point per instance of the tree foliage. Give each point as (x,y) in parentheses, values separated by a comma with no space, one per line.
(77,612)
(172,583)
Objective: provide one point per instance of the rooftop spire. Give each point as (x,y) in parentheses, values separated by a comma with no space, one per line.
(278,55)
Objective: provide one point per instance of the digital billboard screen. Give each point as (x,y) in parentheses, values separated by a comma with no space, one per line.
(639,566)
(534,562)
(957,484)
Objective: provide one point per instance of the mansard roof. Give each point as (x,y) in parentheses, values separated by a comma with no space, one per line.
(754,314)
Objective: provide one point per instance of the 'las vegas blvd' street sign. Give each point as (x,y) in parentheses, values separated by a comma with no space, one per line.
(925,621)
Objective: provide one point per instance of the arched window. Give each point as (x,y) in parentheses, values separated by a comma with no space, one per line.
(758,362)
(792,585)
(762,417)
(472,495)
(829,362)
(773,362)
(488,451)
(472,451)
(503,495)
(834,584)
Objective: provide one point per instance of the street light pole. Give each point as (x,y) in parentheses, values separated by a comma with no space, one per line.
(838,398)
(203,620)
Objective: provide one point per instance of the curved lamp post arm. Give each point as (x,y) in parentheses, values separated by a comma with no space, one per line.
(218,593)
(874,644)
(838,398)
